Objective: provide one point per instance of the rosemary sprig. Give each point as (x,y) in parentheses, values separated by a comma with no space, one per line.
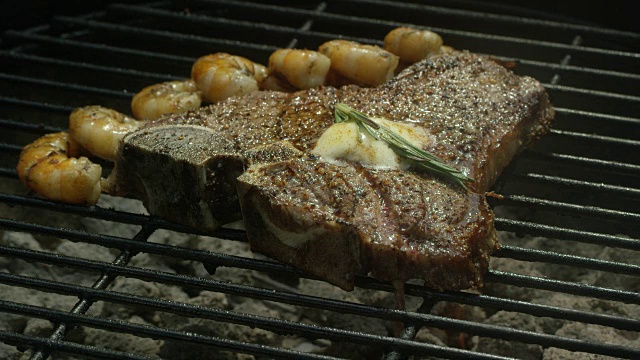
(400,145)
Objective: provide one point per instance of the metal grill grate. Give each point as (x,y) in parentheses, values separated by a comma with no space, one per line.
(577,189)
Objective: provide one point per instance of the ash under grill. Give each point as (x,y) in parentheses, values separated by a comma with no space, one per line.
(111,282)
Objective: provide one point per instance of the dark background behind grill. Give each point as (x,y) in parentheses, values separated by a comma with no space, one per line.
(579,184)
(610,14)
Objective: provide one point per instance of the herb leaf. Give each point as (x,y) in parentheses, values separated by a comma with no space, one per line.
(400,145)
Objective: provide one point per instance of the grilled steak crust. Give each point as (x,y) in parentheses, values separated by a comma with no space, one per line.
(335,220)
(339,220)
(184,173)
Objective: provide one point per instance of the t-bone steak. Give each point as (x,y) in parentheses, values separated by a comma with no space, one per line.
(253,156)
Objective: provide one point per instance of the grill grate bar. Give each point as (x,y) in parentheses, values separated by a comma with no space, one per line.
(109,214)
(516,226)
(523,227)
(606,140)
(585,162)
(74,65)
(313,36)
(137,10)
(369,23)
(82,306)
(496,303)
(526,254)
(318,36)
(212,259)
(120,94)
(282,326)
(584,185)
(288,10)
(602,116)
(566,68)
(305,300)
(169,61)
(8,172)
(232,234)
(593,211)
(152,332)
(307,26)
(594,100)
(10,148)
(95,24)
(118,216)
(629,297)
(156,77)
(63,85)
(29,127)
(215,260)
(507,278)
(239,235)
(21,340)
(89,211)
(203,20)
(608,66)
(538,310)
(408,333)
(187,61)
(54,108)
(572,90)
(503,18)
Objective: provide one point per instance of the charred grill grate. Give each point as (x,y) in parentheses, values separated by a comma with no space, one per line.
(579,186)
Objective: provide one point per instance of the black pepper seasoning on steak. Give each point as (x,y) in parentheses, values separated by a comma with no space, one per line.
(336,220)
(339,220)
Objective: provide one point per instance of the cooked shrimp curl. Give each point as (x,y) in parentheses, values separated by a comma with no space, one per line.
(412,45)
(222,75)
(366,65)
(304,69)
(166,98)
(49,167)
(99,129)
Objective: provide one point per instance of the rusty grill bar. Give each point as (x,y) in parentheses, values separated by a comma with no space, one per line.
(591,155)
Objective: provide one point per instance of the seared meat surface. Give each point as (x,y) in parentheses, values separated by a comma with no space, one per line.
(338,219)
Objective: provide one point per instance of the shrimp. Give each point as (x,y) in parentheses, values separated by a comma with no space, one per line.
(444,49)
(167,97)
(273,82)
(366,65)
(412,45)
(304,69)
(99,129)
(222,75)
(49,167)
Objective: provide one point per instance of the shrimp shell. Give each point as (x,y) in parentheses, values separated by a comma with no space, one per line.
(99,129)
(166,98)
(274,83)
(304,69)
(222,75)
(444,49)
(48,167)
(363,64)
(412,45)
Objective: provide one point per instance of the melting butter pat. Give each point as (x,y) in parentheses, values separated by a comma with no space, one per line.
(343,141)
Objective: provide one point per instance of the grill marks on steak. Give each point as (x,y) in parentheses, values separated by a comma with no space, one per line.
(306,212)
(446,234)
(347,220)
(479,113)
(337,220)
(182,172)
